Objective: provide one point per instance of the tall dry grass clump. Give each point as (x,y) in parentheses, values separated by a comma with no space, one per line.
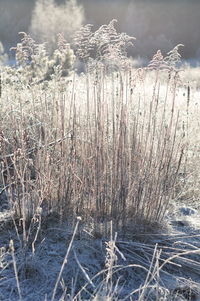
(105,145)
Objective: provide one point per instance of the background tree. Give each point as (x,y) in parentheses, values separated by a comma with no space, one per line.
(49,19)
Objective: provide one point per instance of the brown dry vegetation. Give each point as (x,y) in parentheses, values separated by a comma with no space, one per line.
(114,145)
(96,144)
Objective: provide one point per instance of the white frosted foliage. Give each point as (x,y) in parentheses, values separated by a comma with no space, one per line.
(49,19)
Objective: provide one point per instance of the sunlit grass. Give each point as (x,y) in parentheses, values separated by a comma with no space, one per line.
(115,145)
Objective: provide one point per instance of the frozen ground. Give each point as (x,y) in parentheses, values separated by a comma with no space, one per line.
(38,264)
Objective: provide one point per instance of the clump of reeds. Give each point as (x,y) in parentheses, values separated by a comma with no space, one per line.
(103,144)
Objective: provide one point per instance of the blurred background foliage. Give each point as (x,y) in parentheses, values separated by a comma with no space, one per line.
(157,24)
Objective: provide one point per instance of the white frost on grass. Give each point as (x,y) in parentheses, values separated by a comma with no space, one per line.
(38,273)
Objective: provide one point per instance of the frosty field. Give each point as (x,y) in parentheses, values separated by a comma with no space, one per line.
(99,173)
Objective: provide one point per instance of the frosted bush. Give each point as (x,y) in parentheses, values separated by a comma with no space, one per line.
(34,65)
(49,19)
(105,46)
(3,56)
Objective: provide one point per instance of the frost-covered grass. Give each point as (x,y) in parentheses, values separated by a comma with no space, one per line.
(63,264)
(93,145)
(114,145)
